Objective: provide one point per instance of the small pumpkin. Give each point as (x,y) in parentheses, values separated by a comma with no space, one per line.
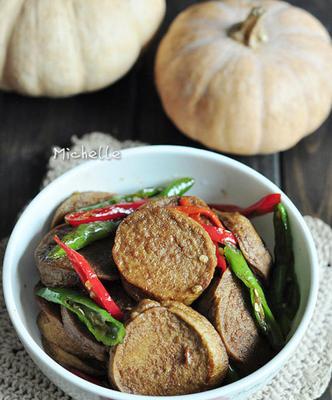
(64,47)
(245,77)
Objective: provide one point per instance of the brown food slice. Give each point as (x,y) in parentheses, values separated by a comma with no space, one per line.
(65,349)
(75,201)
(250,242)
(63,329)
(59,272)
(80,335)
(51,328)
(68,360)
(163,254)
(173,201)
(225,305)
(169,349)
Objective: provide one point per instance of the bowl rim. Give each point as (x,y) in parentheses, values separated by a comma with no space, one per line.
(256,377)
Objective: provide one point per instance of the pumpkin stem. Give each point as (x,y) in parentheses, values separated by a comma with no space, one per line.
(247,32)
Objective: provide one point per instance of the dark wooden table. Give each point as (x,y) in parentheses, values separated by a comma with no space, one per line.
(130,109)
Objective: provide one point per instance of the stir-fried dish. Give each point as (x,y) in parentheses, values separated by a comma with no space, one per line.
(158,293)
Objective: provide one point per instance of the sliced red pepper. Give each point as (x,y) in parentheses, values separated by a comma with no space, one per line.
(206,212)
(185,201)
(217,233)
(197,218)
(220,235)
(109,213)
(263,206)
(88,277)
(221,261)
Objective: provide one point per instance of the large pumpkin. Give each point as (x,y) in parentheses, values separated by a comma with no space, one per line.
(245,77)
(63,47)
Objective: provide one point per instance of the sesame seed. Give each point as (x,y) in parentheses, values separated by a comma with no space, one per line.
(203,258)
(196,289)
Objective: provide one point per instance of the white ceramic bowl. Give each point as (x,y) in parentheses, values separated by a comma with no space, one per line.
(218,179)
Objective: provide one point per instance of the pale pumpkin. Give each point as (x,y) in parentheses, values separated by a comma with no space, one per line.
(244,79)
(64,47)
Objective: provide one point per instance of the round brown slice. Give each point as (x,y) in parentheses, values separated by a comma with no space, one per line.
(174,201)
(163,254)
(59,271)
(63,329)
(66,350)
(76,201)
(51,328)
(226,305)
(249,241)
(78,333)
(68,360)
(169,349)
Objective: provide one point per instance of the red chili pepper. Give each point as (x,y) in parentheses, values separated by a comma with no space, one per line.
(185,201)
(217,233)
(88,277)
(108,213)
(263,206)
(220,235)
(197,218)
(221,262)
(195,210)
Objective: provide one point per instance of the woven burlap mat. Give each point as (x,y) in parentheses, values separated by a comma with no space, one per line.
(304,377)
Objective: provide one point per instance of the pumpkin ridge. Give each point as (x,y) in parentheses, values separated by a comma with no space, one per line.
(201,97)
(145,35)
(78,41)
(224,6)
(7,58)
(260,136)
(231,63)
(195,102)
(302,54)
(8,40)
(320,30)
(45,83)
(309,110)
(295,81)
(197,44)
(299,84)
(306,35)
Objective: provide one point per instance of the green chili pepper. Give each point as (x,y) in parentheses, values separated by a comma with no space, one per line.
(262,312)
(178,187)
(285,294)
(83,235)
(283,254)
(99,322)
